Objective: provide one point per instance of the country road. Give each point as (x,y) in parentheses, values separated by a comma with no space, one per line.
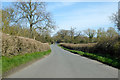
(64,64)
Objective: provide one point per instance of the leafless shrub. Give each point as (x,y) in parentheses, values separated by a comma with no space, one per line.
(14,45)
(80,47)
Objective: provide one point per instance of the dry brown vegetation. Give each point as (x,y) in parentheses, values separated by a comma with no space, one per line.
(14,45)
(107,47)
(110,46)
(80,47)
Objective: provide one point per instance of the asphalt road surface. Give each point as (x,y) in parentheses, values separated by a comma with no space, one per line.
(64,64)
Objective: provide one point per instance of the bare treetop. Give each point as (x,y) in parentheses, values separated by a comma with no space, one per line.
(34,13)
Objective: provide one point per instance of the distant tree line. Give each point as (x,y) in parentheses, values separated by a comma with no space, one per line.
(86,36)
(32,20)
(90,35)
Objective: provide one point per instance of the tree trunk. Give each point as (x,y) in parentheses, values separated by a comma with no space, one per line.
(31,36)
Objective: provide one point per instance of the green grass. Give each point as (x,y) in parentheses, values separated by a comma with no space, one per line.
(107,60)
(0,65)
(12,62)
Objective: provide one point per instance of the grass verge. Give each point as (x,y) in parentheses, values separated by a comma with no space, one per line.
(0,65)
(107,60)
(9,63)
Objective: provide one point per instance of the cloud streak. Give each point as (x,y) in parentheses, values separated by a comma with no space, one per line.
(58,5)
(89,15)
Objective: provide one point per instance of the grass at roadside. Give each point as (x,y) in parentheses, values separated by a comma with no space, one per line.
(12,62)
(107,60)
(0,65)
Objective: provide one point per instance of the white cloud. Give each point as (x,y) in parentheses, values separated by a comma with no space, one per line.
(92,17)
(58,5)
(68,3)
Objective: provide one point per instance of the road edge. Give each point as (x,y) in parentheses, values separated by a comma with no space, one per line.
(22,66)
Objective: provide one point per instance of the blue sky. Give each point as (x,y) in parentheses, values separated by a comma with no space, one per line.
(81,15)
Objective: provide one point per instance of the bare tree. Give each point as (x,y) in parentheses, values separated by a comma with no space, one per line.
(78,34)
(90,33)
(35,14)
(111,32)
(101,33)
(62,35)
(72,33)
(7,14)
(116,19)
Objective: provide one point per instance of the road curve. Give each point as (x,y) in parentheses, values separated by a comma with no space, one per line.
(64,64)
